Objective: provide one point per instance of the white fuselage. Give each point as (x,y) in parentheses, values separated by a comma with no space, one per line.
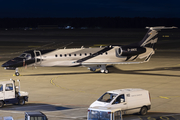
(69,57)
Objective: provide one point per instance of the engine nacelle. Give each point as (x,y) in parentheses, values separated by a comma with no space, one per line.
(130,51)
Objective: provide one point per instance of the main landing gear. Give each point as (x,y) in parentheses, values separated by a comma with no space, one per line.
(102,68)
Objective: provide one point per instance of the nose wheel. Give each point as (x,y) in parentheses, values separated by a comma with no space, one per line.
(17,72)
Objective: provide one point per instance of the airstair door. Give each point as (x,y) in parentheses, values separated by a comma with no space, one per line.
(38,58)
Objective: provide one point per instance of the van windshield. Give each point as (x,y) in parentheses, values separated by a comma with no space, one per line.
(107,97)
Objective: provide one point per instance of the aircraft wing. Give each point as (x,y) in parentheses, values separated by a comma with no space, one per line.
(110,63)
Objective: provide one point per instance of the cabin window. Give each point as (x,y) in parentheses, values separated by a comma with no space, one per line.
(9,87)
(65,55)
(60,55)
(85,54)
(74,54)
(69,55)
(55,55)
(80,54)
(106,53)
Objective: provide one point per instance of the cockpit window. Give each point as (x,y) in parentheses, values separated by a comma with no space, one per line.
(107,97)
(25,55)
(22,55)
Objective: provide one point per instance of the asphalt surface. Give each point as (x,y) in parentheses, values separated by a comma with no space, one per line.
(64,93)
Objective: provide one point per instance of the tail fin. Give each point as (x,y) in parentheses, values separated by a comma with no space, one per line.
(150,39)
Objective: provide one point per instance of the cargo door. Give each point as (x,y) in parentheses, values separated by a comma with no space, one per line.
(1,92)
(38,59)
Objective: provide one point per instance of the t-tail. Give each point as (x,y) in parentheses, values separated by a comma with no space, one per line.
(151,37)
(146,47)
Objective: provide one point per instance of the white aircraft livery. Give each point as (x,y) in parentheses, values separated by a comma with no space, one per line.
(93,58)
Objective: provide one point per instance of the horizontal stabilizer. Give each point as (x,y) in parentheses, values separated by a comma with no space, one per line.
(160,27)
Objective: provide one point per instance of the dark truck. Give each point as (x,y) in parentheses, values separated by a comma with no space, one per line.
(35,115)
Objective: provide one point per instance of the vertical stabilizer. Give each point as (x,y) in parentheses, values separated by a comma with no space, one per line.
(150,39)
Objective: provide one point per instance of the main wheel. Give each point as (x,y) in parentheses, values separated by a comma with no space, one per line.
(143,111)
(21,101)
(102,71)
(106,71)
(17,73)
(1,104)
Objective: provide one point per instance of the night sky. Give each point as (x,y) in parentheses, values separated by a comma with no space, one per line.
(89,8)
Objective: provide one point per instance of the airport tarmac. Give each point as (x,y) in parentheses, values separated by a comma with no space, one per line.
(64,93)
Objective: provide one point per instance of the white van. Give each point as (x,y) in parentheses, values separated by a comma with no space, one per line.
(130,100)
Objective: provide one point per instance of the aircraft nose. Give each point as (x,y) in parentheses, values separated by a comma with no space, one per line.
(9,63)
(5,65)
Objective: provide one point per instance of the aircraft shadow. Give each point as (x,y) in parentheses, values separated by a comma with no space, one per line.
(113,69)
(44,74)
(35,107)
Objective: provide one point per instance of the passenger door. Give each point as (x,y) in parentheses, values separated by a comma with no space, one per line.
(1,92)
(9,91)
(120,102)
(38,60)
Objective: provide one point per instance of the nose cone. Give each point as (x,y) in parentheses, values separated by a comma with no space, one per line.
(16,62)
(5,65)
(9,63)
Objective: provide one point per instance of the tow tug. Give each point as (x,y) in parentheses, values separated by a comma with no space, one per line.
(11,94)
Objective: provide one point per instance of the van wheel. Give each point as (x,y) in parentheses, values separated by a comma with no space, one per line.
(1,104)
(143,111)
(21,102)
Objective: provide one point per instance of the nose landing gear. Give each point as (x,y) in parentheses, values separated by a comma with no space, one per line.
(17,72)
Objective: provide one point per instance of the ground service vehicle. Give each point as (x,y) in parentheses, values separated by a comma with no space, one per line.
(11,94)
(131,100)
(35,116)
(103,113)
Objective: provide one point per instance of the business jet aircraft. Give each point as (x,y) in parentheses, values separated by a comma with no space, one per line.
(93,58)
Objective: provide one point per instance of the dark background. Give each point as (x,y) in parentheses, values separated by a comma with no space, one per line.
(88,14)
(92,22)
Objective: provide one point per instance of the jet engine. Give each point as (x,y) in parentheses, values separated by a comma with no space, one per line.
(129,51)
